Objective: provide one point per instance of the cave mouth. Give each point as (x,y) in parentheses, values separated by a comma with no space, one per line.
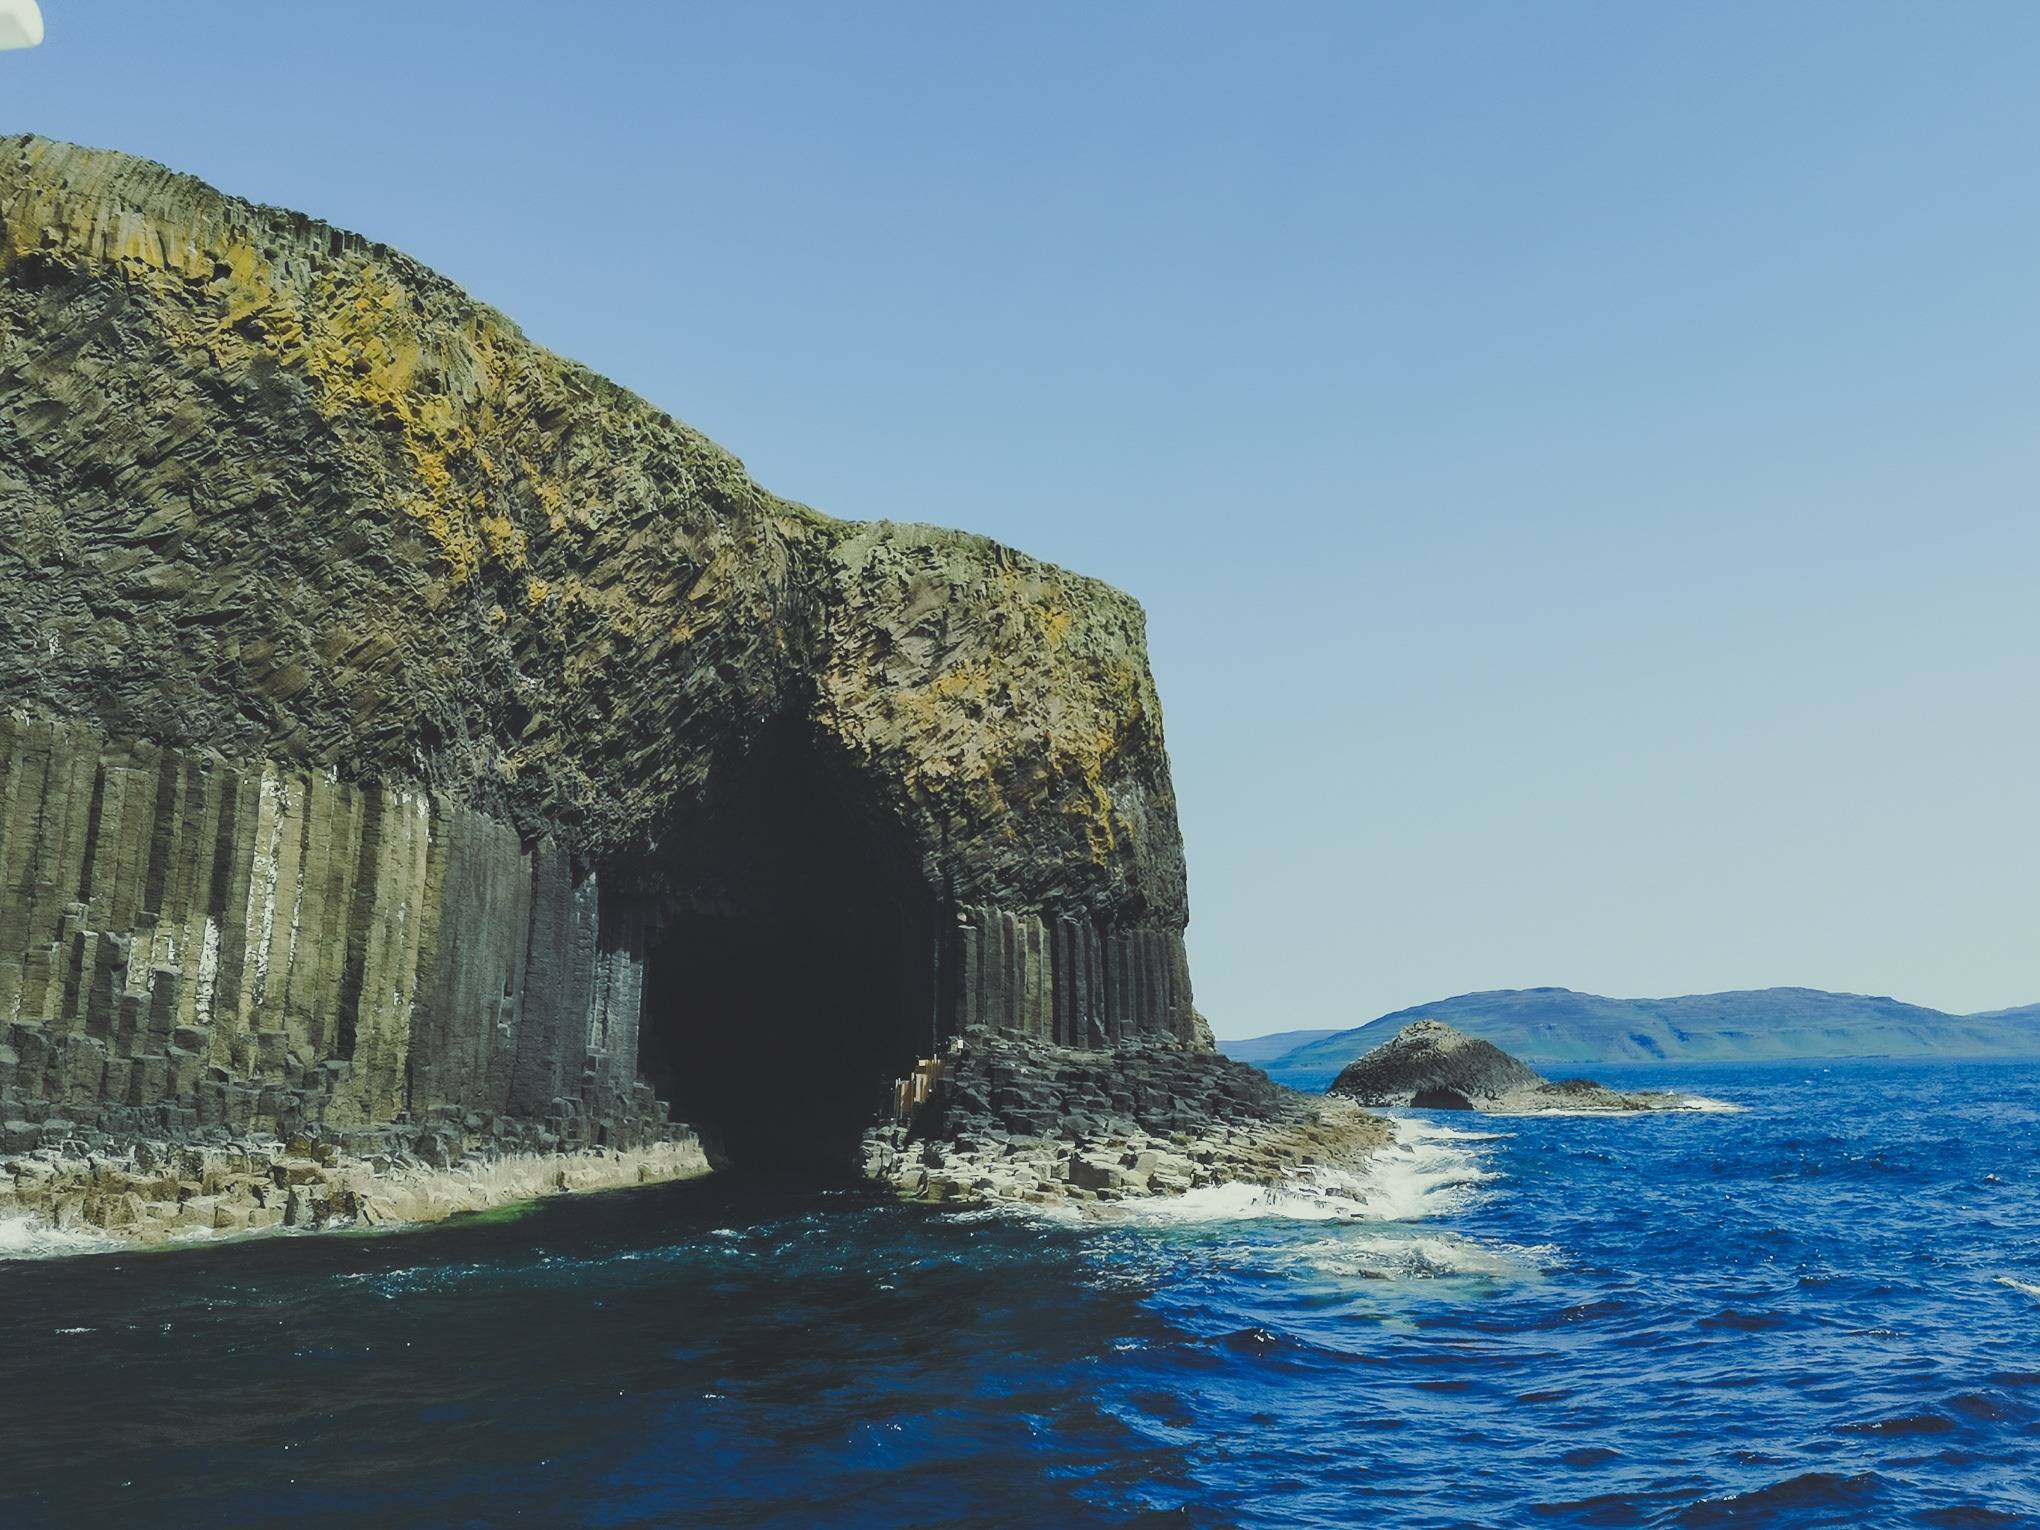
(791,984)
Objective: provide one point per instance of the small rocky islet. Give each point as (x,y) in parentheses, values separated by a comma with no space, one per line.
(1430,1065)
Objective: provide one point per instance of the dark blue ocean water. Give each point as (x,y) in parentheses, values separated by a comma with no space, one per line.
(1823,1310)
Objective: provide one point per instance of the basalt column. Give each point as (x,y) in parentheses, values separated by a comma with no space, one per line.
(189,941)
(1073,982)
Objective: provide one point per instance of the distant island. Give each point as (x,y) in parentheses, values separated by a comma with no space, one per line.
(1558,1025)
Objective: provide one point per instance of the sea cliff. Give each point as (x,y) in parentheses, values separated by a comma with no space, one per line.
(411,737)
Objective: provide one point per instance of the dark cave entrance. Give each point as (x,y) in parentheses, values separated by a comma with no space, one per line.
(793,981)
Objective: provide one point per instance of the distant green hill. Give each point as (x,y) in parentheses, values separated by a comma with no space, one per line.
(1544,1026)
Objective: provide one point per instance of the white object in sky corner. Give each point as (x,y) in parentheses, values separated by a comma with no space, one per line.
(20,24)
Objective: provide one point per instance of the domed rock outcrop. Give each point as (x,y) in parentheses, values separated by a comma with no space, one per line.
(1430,1065)
(406,724)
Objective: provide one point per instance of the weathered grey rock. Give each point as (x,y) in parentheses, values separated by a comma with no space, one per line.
(1430,1065)
(1430,1058)
(1016,1118)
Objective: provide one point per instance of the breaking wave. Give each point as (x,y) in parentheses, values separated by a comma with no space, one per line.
(32,1238)
(1425,1170)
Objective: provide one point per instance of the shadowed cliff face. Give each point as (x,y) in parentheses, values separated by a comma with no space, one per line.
(278,501)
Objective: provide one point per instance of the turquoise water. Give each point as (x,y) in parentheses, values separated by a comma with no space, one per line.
(1821,1310)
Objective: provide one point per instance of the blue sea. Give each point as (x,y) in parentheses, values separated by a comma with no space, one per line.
(1820,1309)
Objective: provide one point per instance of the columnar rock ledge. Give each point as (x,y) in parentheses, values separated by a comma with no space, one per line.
(1011,1119)
(148,1193)
(415,746)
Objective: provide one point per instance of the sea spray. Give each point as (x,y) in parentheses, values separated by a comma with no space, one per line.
(1424,1170)
(28,1237)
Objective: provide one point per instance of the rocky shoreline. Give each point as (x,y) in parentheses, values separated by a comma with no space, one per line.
(997,1119)
(1008,1119)
(146,1192)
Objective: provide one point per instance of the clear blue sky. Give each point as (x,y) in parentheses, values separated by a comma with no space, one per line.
(1578,460)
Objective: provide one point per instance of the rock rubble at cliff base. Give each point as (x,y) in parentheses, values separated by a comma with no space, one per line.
(150,1193)
(1012,1120)
(1009,1120)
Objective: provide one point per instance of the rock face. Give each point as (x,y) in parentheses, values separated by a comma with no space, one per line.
(404,724)
(1430,1065)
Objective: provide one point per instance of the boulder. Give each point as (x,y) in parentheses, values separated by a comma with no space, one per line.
(1429,1058)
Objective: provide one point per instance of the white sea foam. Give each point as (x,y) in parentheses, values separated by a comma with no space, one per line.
(1693,1104)
(1713,1107)
(1438,1131)
(1372,1222)
(1321,1198)
(32,1238)
(1425,1170)
(1401,1255)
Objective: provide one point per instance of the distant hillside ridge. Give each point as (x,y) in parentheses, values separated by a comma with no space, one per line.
(1558,1025)
(1255,1049)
